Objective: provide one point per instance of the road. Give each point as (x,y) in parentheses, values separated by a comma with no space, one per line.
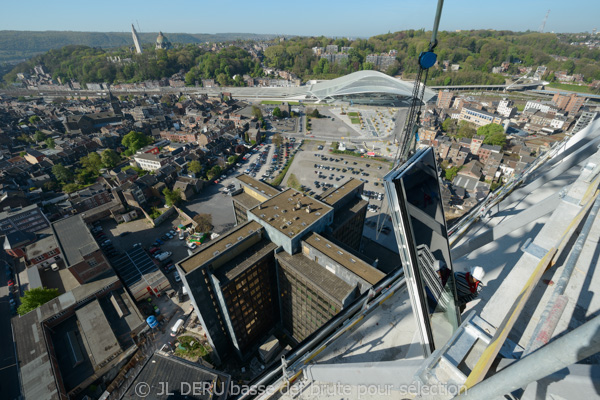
(9,379)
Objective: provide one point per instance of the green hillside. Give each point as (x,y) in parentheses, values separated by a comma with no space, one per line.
(22,45)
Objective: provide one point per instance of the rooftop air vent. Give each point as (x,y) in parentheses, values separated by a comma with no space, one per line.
(304,224)
(289,223)
(216,253)
(296,218)
(340,253)
(353,260)
(262,215)
(282,227)
(328,245)
(228,245)
(240,238)
(290,199)
(317,238)
(318,214)
(291,233)
(283,211)
(271,219)
(276,207)
(276,215)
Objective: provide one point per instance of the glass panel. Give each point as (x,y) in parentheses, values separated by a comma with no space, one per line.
(423,232)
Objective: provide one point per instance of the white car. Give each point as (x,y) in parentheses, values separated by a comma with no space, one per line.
(177,277)
(192,245)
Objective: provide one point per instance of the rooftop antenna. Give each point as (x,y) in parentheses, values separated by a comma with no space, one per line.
(544,22)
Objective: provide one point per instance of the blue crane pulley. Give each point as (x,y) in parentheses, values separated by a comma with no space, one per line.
(427,59)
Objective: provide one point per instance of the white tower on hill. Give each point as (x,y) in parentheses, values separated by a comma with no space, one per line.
(136,40)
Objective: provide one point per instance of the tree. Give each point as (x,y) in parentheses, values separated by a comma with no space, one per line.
(494,134)
(451,173)
(62,173)
(166,99)
(277,140)
(232,159)
(135,141)
(92,163)
(50,143)
(172,197)
(39,136)
(203,222)
(34,119)
(277,112)
(214,171)
(466,130)
(256,112)
(110,158)
(315,113)
(70,187)
(450,126)
(34,298)
(195,166)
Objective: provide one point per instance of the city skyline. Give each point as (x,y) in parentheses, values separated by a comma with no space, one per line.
(311,18)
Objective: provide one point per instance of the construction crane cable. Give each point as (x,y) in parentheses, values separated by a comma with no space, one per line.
(408,141)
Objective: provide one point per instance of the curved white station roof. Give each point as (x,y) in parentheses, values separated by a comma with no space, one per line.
(363,82)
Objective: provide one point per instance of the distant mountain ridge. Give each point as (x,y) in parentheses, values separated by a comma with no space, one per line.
(20,45)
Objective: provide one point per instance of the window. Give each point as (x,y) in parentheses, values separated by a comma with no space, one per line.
(92,263)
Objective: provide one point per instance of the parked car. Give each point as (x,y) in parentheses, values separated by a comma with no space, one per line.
(124,233)
(164,238)
(160,242)
(153,250)
(177,277)
(192,245)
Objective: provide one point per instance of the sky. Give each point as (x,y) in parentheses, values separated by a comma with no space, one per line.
(348,18)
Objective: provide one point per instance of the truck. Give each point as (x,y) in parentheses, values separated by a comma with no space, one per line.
(163,256)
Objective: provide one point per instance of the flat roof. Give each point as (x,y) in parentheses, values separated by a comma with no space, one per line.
(74,239)
(134,264)
(40,247)
(283,214)
(161,370)
(245,260)
(334,195)
(100,340)
(32,353)
(331,285)
(350,261)
(266,190)
(246,200)
(213,248)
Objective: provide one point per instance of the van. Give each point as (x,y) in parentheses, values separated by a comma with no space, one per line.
(54,267)
(177,327)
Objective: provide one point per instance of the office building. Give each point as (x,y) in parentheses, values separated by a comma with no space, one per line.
(247,282)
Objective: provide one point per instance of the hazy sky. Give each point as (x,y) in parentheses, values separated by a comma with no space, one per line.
(309,17)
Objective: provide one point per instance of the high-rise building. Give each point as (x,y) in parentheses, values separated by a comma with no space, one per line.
(287,263)
(136,40)
(570,104)
(444,99)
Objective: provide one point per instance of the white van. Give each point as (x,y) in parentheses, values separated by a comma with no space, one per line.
(177,327)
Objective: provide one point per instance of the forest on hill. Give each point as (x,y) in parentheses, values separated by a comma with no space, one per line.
(476,52)
(22,45)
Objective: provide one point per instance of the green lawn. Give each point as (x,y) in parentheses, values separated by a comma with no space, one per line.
(355,120)
(571,88)
(190,347)
(353,114)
